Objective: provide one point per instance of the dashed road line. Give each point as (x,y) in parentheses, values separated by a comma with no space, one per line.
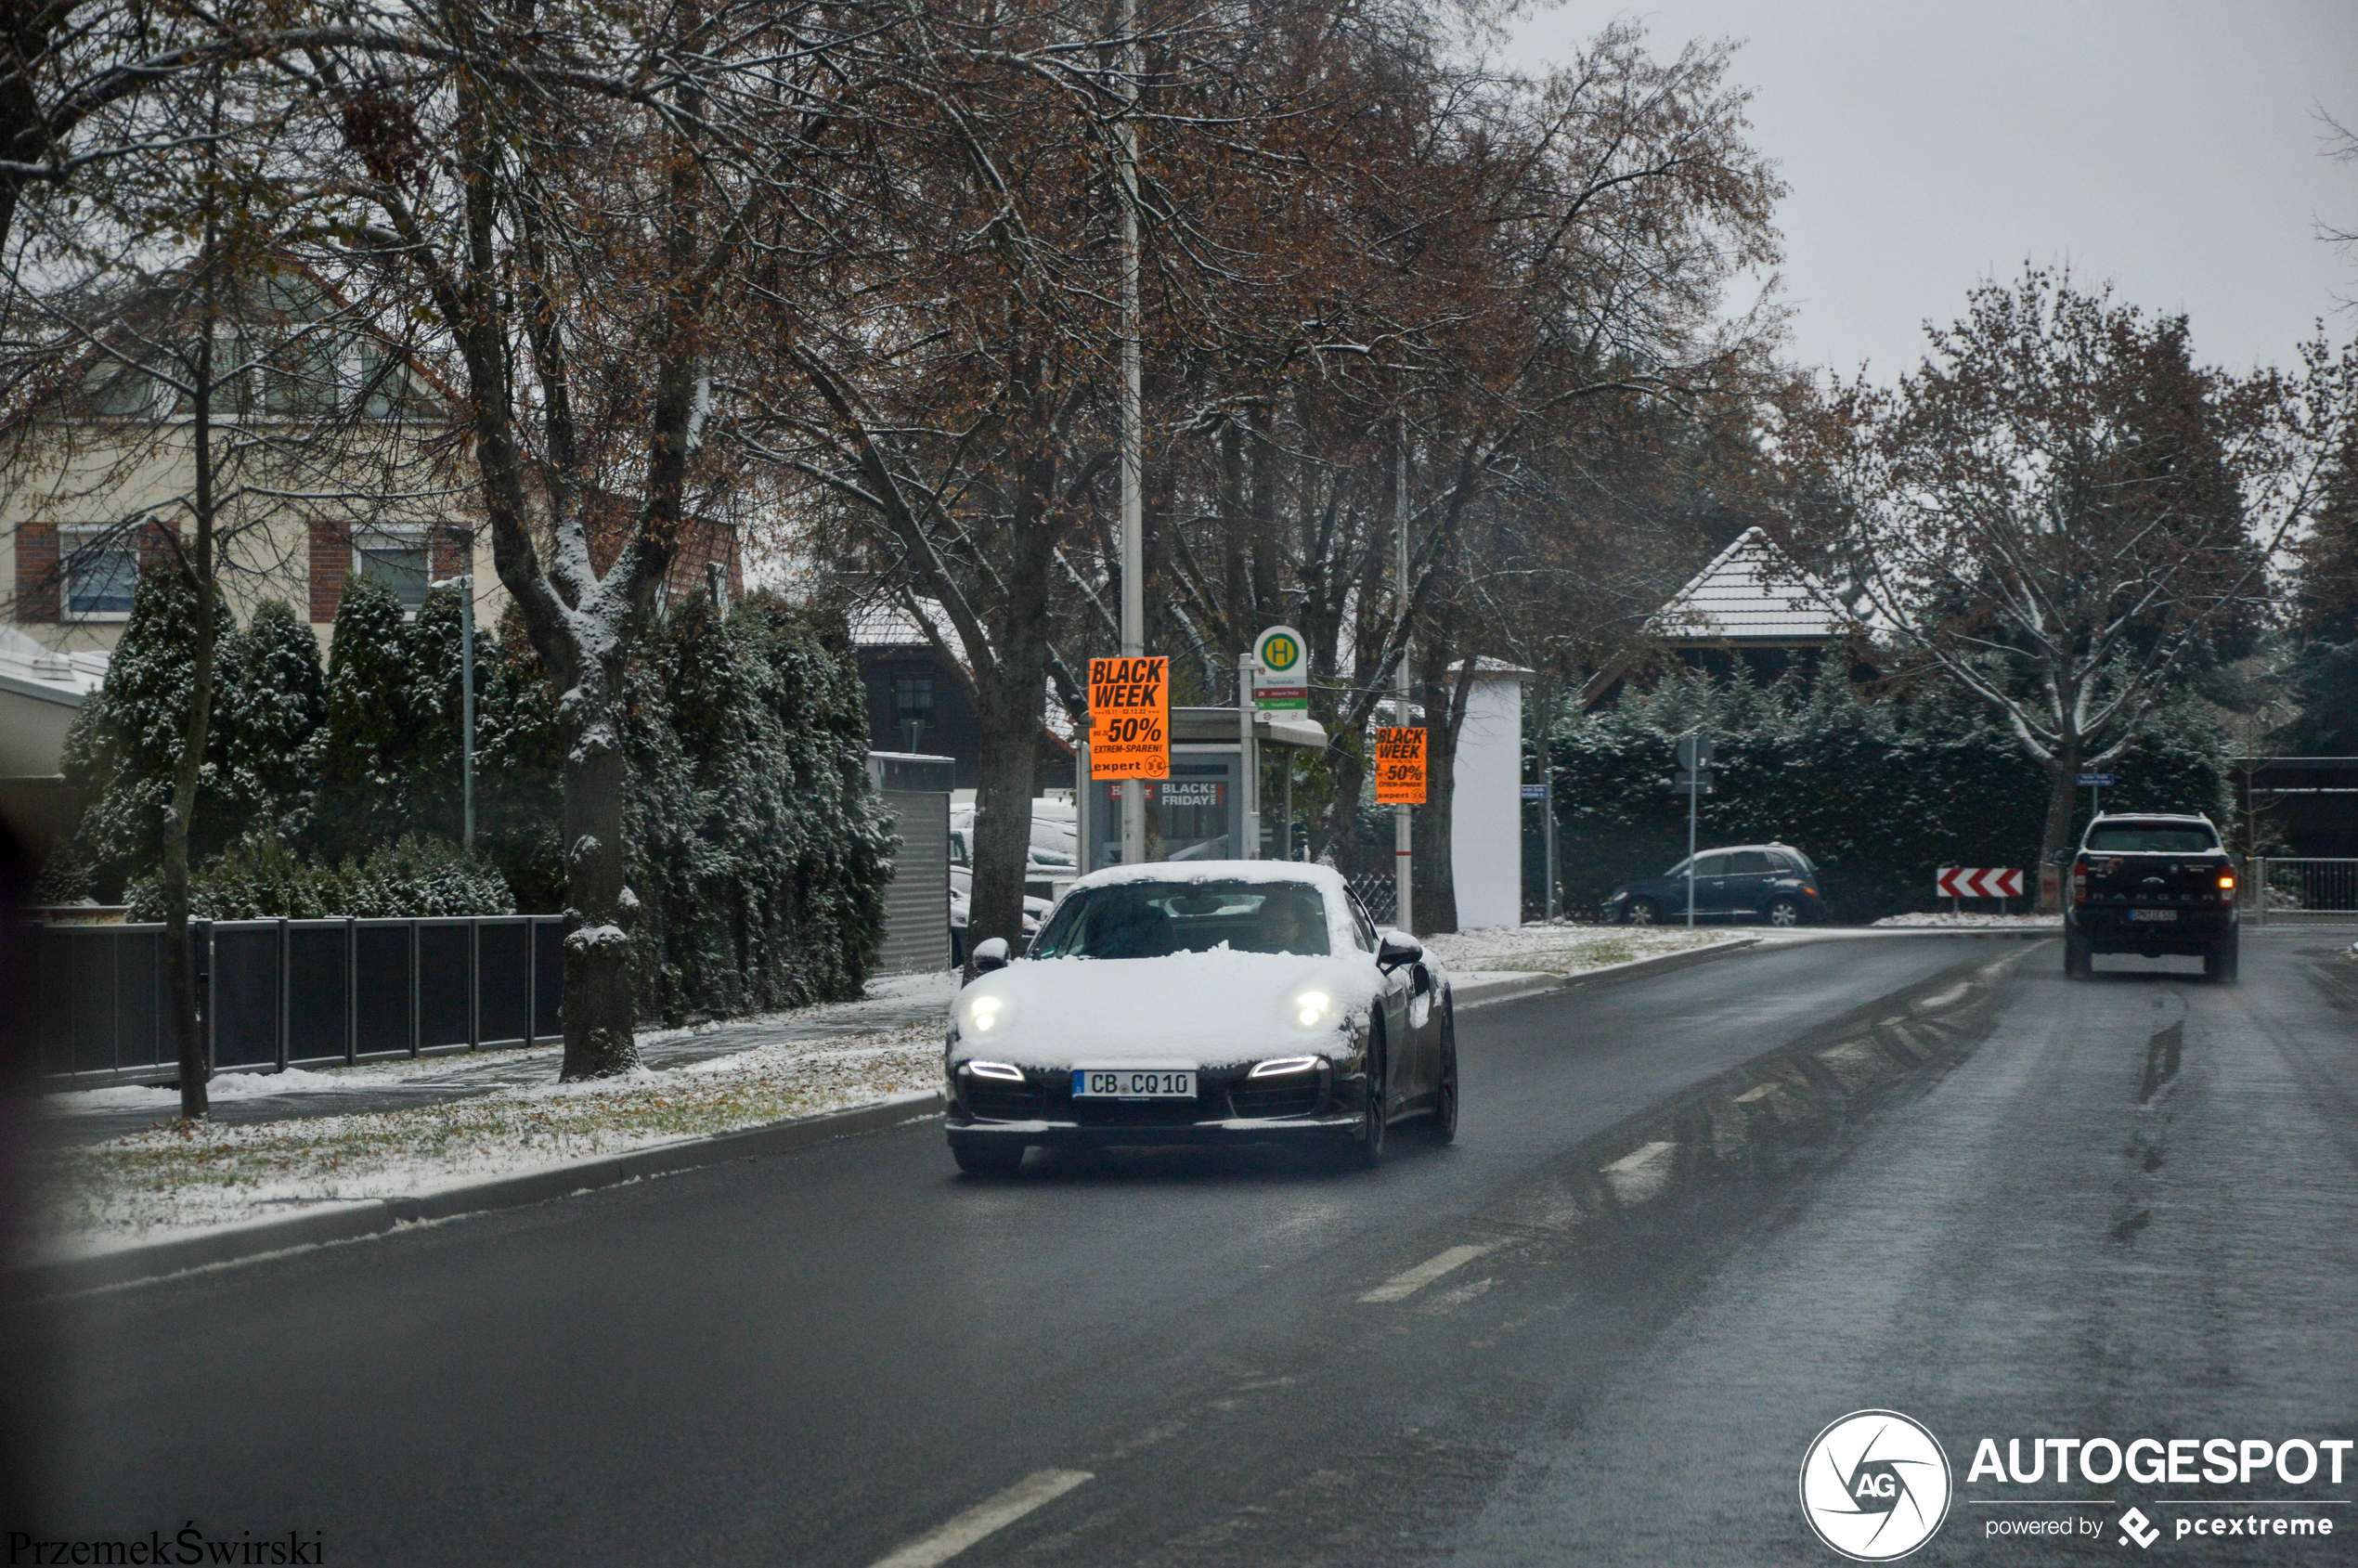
(945,1541)
(1409,1282)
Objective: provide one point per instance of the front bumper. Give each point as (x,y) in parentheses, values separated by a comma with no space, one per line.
(1228,1108)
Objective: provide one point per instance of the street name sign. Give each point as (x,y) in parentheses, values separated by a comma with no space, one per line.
(1534,792)
(2096,781)
(1400,767)
(1130,719)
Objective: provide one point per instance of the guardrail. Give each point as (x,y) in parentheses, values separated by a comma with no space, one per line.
(279,993)
(2290,891)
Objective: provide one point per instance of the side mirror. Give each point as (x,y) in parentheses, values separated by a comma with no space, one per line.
(991,954)
(1395,950)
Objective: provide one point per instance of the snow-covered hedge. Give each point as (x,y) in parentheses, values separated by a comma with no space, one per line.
(260,878)
(1880,795)
(758,852)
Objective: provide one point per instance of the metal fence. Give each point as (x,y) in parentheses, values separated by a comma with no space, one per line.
(277,993)
(2302,892)
(1379,892)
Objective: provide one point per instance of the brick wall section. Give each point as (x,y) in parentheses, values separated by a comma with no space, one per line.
(701,544)
(445,553)
(153,547)
(330,561)
(36,572)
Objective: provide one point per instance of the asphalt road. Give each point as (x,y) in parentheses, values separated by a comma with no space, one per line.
(2127,1211)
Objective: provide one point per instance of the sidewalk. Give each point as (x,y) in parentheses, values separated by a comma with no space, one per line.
(894,1005)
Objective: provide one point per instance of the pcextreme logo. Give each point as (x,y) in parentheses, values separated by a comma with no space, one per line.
(1875,1485)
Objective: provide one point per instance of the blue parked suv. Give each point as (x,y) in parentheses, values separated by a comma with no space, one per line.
(1772,882)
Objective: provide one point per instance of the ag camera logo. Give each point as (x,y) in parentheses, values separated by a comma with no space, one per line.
(1875,1485)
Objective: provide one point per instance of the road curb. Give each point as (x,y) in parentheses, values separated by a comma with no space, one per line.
(1510,988)
(377,1216)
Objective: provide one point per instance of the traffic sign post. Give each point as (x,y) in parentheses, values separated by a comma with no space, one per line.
(1694,779)
(1280,671)
(2094,784)
(1999,882)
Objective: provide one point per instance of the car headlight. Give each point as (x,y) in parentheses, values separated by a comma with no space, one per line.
(986,1015)
(1310,1008)
(1006,1072)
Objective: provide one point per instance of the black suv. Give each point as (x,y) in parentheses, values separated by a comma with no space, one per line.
(1773,882)
(2150,885)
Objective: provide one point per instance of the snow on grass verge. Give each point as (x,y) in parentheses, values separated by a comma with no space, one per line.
(1540,949)
(171,1179)
(1999,922)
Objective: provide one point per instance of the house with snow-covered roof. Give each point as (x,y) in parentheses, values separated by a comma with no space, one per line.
(1753,605)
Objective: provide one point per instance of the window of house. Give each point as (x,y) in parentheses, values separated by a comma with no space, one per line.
(101,572)
(398,561)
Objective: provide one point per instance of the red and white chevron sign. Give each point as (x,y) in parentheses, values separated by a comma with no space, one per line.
(1980,882)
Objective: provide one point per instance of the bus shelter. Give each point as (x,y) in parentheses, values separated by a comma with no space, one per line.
(1207,809)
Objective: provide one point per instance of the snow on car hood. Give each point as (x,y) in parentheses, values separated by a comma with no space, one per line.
(1183,1010)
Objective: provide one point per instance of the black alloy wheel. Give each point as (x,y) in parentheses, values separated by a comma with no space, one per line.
(1641,913)
(1785,912)
(1372,1121)
(987,1157)
(1445,1097)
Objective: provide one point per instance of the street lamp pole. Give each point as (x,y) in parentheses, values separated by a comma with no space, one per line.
(1134,587)
(1403,859)
(465,583)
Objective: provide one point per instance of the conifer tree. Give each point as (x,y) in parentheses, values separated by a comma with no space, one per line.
(124,745)
(267,718)
(369,751)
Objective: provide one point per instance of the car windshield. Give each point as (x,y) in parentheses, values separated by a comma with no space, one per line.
(2153,838)
(1153,919)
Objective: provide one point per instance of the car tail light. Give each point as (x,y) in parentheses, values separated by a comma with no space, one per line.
(2227,887)
(2079,882)
(2226,882)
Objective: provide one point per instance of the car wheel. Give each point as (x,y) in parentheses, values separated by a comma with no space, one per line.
(1641,913)
(1445,1098)
(1373,1118)
(987,1157)
(2219,964)
(1783,912)
(2076,965)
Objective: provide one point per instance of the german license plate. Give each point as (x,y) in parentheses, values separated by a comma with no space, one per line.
(1132,1083)
(2136,915)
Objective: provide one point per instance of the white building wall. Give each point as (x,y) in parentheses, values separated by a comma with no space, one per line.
(1485,815)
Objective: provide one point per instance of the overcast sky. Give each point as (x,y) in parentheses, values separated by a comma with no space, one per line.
(2170,148)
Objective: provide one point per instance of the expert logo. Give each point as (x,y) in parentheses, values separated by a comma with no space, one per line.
(1875,1485)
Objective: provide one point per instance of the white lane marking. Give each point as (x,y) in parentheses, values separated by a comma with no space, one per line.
(1413,1281)
(945,1541)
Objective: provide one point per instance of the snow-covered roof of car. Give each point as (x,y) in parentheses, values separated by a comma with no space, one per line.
(1752,591)
(1323,876)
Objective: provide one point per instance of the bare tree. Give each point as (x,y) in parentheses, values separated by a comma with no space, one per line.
(175,385)
(2063,514)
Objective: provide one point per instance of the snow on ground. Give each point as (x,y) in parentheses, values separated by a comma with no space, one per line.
(1542,949)
(893,995)
(1994,922)
(171,1179)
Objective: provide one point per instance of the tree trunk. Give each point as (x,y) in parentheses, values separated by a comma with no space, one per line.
(180,964)
(2062,800)
(599,1021)
(187,1028)
(1009,702)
